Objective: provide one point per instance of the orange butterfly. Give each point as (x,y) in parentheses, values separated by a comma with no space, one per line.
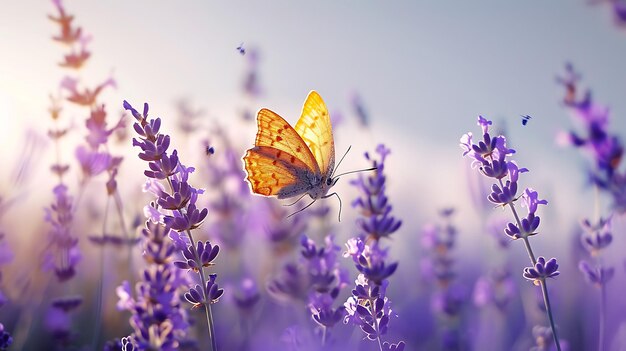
(287,162)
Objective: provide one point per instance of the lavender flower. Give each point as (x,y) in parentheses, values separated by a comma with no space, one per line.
(369,308)
(490,155)
(497,289)
(179,210)
(247,297)
(158,321)
(606,152)
(316,280)
(449,299)
(595,138)
(617,8)
(63,254)
(542,270)
(5,338)
(377,221)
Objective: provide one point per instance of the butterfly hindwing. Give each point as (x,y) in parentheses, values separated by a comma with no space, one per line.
(275,172)
(275,132)
(315,129)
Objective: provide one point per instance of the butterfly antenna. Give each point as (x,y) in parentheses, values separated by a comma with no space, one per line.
(329,195)
(342,157)
(302,209)
(360,170)
(295,202)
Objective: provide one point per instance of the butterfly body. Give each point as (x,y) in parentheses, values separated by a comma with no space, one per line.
(289,162)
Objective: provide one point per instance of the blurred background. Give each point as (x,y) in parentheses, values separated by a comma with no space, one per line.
(413,75)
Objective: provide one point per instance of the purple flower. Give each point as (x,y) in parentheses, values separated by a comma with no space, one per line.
(598,236)
(491,154)
(205,256)
(497,289)
(6,255)
(542,270)
(181,212)
(210,295)
(368,307)
(531,200)
(598,275)
(595,138)
(377,221)
(63,254)
(5,338)
(97,126)
(247,296)
(157,319)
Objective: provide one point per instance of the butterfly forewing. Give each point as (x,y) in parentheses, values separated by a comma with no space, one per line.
(275,172)
(315,129)
(275,132)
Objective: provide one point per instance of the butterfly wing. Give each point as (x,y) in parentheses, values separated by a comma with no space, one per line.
(274,172)
(315,129)
(275,132)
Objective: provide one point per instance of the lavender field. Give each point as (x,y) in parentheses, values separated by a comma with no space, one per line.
(199,175)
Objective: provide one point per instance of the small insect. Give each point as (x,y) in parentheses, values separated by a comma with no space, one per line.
(210,150)
(525,119)
(289,162)
(241,49)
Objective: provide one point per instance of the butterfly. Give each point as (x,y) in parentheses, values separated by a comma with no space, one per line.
(525,119)
(289,162)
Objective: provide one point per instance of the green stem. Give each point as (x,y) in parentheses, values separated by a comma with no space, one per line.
(546,300)
(544,288)
(207,305)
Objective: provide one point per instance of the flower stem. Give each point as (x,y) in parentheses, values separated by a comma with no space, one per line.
(544,287)
(602,317)
(376,327)
(207,306)
(546,300)
(529,249)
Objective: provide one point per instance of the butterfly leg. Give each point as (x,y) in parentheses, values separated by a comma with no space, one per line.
(329,195)
(302,209)
(295,202)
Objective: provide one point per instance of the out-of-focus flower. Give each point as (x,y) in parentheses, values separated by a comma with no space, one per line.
(158,321)
(87,97)
(617,8)
(5,338)
(62,254)
(595,138)
(68,35)
(77,58)
(247,297)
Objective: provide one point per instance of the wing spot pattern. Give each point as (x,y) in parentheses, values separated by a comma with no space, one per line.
(279,138)
(292,160)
